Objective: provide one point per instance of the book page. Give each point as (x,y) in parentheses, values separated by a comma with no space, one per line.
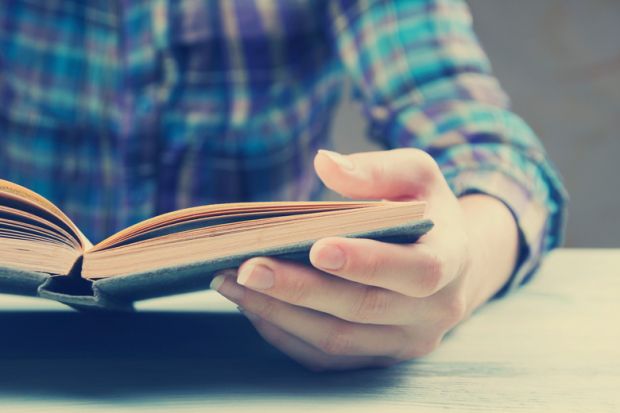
(210,242)
(19,199)
(218,214)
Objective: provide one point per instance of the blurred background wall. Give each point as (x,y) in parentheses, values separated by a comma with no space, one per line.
(559,60)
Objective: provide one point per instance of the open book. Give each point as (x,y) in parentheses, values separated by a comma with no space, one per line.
(43,253)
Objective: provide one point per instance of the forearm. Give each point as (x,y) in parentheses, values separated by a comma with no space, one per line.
(494,244)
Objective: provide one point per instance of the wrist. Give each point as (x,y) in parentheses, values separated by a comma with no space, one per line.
(493,246)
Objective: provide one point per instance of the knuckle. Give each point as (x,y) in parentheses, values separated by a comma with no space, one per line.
(265,309)
(377,172)
(420,348)
(425,172)
(425,347)
(373,265)
(428,166)
(296,290)
(338,340)
(431,276)
(454,311)
(373,305)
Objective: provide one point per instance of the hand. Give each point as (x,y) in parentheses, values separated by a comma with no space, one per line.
(368,303)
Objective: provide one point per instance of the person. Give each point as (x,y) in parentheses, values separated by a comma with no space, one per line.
(118,110)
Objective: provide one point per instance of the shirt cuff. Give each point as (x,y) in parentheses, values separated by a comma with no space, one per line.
(540,222)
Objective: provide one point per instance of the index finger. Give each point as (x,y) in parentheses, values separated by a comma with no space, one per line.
(415,270)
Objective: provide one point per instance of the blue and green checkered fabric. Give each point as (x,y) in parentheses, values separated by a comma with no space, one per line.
(118,110)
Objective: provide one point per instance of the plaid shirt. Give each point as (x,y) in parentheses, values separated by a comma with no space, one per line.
(120,110)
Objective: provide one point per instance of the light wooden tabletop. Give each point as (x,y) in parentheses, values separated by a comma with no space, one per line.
(552,346)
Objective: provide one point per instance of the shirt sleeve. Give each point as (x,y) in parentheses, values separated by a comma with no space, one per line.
(425,82)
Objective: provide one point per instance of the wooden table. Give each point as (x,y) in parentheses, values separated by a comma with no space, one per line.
(553,346)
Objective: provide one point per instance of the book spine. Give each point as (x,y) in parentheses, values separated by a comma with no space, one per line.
(80,293)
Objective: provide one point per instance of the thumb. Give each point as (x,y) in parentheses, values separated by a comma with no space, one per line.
(397,174)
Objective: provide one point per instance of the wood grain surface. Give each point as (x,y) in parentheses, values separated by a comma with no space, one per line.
(552,346)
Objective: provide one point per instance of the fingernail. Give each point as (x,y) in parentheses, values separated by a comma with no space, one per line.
(230,290)
(343,161)
(251,316)
(220,276)
(329,257)
(256,276)
(217,282)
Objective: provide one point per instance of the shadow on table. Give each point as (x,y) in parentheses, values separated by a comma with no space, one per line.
(155,354)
